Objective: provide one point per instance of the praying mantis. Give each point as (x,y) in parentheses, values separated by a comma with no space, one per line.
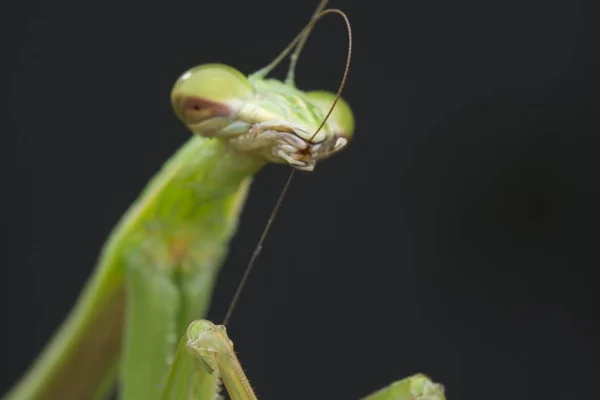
(136,321)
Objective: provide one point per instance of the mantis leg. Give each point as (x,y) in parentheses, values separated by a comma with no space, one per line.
(206,354)
(416,387)
(170,268)
(169,279)
(188,378)
(152,298)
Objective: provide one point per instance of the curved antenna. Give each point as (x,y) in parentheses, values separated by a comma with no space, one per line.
(299,40)
(346,70)
(302,36)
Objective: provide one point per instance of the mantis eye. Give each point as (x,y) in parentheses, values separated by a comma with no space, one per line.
(209,90)
(341,118)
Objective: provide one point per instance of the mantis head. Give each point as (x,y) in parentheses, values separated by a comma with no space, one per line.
(267,118)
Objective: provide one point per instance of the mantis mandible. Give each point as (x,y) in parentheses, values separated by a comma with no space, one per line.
(158,267)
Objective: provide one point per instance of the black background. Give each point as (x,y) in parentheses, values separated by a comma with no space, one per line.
(456,236)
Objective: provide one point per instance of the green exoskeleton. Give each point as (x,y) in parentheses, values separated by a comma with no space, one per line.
(157,269)
(206,355)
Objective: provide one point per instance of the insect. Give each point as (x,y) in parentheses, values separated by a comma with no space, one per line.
(158,267)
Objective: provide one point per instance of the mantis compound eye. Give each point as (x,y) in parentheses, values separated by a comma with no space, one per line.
(209,91)
(341,119)
(341,122)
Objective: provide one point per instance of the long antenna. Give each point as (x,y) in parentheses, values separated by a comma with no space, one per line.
(258,248)
(264,71)
(299,43)
(290,78)
(346,70)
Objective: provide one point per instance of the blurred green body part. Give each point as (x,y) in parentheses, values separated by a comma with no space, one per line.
(416,387)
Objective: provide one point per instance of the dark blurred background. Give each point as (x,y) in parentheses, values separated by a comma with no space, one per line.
(456,236)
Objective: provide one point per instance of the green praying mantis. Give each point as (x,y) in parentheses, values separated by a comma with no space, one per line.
(136,321)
